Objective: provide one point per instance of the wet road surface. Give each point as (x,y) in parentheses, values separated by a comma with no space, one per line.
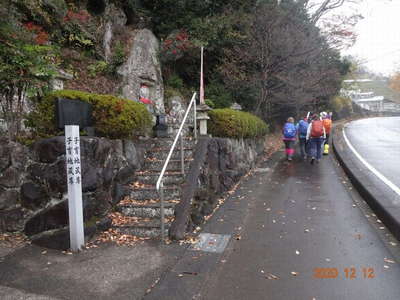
(304,219)
(284,224)
(377,140)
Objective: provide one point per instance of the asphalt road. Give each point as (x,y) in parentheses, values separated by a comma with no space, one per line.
(377,140)
(285,225)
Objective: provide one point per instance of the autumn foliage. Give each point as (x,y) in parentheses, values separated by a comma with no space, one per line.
(395,82)
(175,45)
(41,36)
(81,16)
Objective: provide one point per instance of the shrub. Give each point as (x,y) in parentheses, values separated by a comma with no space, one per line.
(113,117)
(117,59)
(236,124)
(98,67)
(342,106)
(26,67)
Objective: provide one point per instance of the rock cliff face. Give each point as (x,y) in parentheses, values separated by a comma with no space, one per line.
(114,18)
(33,189)
(143,68)
(112,32)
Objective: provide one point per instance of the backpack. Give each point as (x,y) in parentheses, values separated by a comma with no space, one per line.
(289,131)
(327,125)
(303,126)
(317,129)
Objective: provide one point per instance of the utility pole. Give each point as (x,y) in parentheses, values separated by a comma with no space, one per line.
(202,109)
(201,78)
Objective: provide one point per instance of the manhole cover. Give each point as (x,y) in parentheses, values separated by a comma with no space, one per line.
(209,242)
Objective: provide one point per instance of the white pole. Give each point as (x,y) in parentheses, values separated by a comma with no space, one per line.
(74,180)
(201,78)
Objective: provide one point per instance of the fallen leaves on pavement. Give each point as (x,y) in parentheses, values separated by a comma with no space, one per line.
(112,235)
(389,261)
(238,237)
(129,201)
(139,185)
(271,276)
(189,240)
(119,219)
(13,240)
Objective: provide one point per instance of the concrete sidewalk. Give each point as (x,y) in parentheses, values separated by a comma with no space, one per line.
(106,272)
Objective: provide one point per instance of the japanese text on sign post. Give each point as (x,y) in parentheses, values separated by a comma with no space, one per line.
(74,179)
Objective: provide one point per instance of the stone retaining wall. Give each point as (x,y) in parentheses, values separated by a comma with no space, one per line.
(218,165)
(33,189)
(227,161)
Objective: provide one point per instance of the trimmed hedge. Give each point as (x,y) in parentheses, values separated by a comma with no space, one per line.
(113,117)
(235,124)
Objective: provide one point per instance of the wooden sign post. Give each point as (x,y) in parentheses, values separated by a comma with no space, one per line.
(74,179)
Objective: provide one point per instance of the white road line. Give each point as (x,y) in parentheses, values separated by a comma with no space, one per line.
(390,184)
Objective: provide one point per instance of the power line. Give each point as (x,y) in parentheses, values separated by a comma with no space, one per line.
(364,61)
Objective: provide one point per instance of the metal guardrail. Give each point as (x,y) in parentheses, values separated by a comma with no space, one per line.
(160,185)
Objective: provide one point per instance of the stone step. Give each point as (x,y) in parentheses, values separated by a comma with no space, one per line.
(151,178)
(167,143)
(170,193)
(173,165)
(152,210)
(147,228)
(161,154)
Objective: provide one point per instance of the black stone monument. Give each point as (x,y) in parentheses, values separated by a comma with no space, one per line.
(74,112)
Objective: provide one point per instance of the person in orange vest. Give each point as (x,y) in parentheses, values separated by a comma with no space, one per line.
(316,136)
(327,122)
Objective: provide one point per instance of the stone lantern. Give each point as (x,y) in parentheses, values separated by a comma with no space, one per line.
(202,117)
(236,106)
(59,79)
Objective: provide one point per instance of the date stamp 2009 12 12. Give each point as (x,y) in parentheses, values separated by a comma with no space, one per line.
(347,273)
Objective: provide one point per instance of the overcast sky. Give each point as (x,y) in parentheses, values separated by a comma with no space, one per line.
(378,40)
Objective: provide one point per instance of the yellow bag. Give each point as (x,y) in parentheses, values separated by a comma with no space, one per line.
(326,149)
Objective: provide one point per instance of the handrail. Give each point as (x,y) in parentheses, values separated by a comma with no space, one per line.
(160,178)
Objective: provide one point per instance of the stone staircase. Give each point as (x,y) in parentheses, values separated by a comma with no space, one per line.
(139,214)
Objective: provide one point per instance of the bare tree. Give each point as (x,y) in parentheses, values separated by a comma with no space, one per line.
(319,8)
(286,59)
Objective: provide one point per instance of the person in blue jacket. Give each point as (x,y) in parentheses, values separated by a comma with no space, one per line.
(289,137)
(302,127)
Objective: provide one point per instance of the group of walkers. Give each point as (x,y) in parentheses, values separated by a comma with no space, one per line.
(313,134)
